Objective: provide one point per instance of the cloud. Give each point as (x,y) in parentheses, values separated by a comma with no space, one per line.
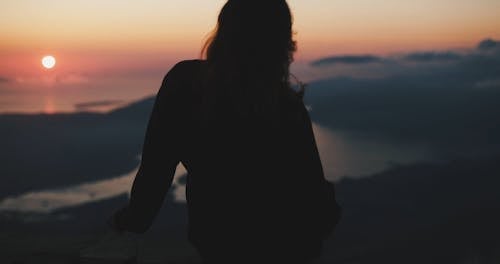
(453,104)
(432,56)
(488,44)
(4,79)
(346,59)
(97,104)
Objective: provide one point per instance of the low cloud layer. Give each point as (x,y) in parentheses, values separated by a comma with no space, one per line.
(489,44)
(452,102)
(433,56)
(97,104)
(346,59)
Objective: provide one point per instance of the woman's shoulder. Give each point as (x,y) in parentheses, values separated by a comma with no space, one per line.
(182,72)
(192,63)
(187,66)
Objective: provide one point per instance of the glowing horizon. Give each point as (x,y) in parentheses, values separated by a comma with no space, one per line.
(115,36)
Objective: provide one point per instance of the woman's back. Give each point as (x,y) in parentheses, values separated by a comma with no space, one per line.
(255,182)
(253,177)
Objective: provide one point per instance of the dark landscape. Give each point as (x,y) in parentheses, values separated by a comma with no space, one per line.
(443,211)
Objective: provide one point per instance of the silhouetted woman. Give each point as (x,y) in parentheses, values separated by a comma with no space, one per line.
(256,192)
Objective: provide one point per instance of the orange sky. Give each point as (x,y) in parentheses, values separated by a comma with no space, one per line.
(96,36)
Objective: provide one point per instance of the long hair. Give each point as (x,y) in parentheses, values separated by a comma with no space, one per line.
(249,53)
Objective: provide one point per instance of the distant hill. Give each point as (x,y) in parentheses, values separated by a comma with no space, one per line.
(138,110)
(51,151)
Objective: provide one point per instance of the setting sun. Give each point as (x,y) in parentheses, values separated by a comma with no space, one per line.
(48,62)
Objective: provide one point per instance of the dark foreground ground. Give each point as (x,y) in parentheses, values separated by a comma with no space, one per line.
(423,213)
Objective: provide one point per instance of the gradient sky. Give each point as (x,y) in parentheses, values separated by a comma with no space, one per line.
(105,37)
(141,40)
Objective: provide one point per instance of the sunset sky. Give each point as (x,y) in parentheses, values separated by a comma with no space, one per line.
(144,38)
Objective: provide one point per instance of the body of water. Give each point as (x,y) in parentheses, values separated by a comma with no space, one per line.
(97,94)
(342,156)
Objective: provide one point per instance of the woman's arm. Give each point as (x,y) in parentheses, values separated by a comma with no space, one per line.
(160,156)
(328,210)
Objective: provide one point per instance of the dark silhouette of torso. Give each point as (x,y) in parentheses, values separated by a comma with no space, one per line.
(255,183)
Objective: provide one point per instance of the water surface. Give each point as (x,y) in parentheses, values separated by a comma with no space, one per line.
(342,156)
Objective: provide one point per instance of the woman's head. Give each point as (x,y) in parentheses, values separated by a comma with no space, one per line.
(254,36)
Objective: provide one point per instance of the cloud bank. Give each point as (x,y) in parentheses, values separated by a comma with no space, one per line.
(346,59)
(452,102)
(488,44)
(97,104)
(432,56)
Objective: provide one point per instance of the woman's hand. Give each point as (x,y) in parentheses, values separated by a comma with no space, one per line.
(112,224)
(115,245)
